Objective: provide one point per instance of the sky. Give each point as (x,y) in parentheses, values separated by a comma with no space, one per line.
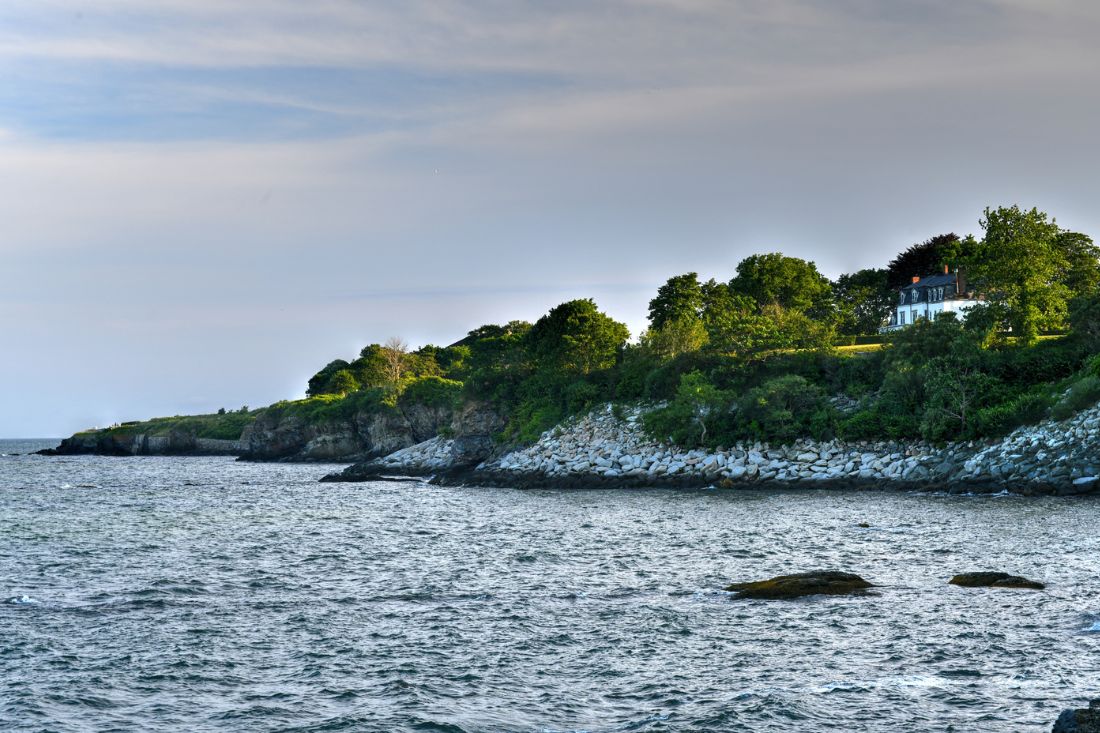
(202,202)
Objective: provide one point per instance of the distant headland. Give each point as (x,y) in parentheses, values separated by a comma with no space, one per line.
(965,362)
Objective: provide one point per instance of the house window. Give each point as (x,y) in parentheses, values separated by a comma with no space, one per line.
(901,317)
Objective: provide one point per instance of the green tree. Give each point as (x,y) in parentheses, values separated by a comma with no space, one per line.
(926,258)
(690,415)
(864,300)
(679,335)
(678,299)
(1082,273)
(344,382)
(321,382)
(789,282)
(732,320)
(786,408)
(955,386)
(1019,265)
(576,337)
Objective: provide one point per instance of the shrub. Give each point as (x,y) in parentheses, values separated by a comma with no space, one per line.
(862,425)
(999,419)
(695,416)
(580,396)
(1083,394)
(432,391)
(786,408)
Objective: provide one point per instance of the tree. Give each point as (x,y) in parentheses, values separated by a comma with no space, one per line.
(678,299)
(926,258)
(1019,265)
(955,386)
(321,382)
(864,301)
(395,353)
(344,382)
(789,282)
(1082,273)
(679,335)
(575,336)
(691,414)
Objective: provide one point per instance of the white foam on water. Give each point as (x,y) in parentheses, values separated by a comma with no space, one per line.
(66,486)
(24,601)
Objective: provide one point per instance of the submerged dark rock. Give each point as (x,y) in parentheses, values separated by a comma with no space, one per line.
(1081,720)
(995,580)
(817,582)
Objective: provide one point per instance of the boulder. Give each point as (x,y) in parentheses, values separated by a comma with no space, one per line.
(817,582)
(994,580)
(1082,720)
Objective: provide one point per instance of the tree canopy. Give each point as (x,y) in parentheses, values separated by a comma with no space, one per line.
(789,282)
(680,298)
(1019,264)
(926,258)
(575,336)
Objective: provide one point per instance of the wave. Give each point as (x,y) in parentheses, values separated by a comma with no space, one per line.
(24,601)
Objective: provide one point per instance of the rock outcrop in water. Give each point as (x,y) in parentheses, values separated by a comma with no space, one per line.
(1081,720)
(469,441)
(817,582)
(995,580)
(275,436)
(175,443)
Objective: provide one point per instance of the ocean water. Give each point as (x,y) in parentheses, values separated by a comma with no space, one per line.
(201,594)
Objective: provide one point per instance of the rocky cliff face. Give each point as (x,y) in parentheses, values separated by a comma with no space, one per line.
(288,437)
(469,429)
(176,443)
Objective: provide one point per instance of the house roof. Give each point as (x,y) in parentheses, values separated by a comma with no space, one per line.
(933,281)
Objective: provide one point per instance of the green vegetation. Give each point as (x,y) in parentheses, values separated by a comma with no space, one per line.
(774,353)
(778,351)
(220,426)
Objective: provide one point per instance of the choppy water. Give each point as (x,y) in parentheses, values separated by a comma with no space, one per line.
(160,594)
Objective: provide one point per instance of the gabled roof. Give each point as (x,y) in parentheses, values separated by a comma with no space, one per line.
(933,281)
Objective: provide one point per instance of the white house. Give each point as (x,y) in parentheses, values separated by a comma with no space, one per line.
(929,297)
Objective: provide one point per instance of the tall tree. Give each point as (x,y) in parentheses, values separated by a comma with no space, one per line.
(1019,266)
(926,258)
(1082,273)
(680,335)
(679,298)
(864,300)
(789,282)
(575,336)
(321,382)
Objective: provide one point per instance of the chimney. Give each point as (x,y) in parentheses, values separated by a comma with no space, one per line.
(960,282)
(945,270)
(916,279)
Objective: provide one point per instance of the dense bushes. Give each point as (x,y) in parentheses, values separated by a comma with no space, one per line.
(778,410)
(432,391)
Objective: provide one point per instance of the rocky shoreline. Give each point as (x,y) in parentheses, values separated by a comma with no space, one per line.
(608,449)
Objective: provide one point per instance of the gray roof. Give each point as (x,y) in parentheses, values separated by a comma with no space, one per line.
(933,281)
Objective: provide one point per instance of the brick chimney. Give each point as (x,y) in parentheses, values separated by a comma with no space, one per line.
(945,270)
(916,279)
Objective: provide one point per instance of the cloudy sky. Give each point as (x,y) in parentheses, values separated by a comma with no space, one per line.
(204,201)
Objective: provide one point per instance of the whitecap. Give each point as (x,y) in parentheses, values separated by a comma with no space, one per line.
(66,486)
(24,601)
